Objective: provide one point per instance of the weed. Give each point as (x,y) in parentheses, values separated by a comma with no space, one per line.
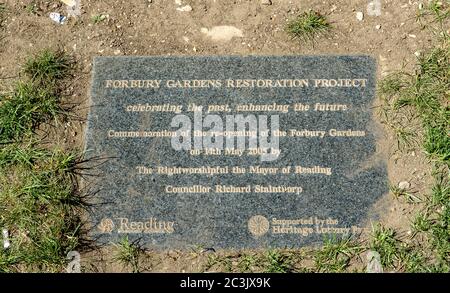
(308,25)
(98,18)
(128,253)
(39,206)
(48,67)
(416,104)
(246,263)
(421,223)
(439,219)
(384,242)
(278,262)
(435,15)
(25,109)
(31,8)
(212,260)
(34,101)
(409,196)
(395,253)
(336,254)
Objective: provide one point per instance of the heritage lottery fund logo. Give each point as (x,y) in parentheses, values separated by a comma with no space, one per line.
(259,226)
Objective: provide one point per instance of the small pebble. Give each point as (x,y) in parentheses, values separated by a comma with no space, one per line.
(404,185)
(186,8)
(378,27)
(359,16)
(6,243)
(266,2)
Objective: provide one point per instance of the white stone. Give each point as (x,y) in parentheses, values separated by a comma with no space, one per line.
(404,185)
(373,262)
(69,2)
(378,27)
(359,16)
(185,8)
(6,243)
(222,33)
(266,2)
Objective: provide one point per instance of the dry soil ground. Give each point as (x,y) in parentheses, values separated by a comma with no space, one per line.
(142,27)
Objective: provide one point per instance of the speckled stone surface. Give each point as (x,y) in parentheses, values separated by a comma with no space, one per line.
(129,203)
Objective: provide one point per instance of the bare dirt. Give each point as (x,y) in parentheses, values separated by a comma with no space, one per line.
(138,27)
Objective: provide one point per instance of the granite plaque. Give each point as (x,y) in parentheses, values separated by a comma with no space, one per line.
(234,152)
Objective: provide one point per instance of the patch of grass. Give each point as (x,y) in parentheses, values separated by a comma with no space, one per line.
(35,100)
(227,264)
(128,253)
(336,254)
(308,25)
(418,103)
(246,263)
(212,260)
(48,67)
(98,18)
(407,195)
(2,15)
(39,206)
(423,97)
(421,223)
(23,110)
(396,254)
(435,15)
(438,217)
(385,242)
(278,262)
(31,8)
(414,261)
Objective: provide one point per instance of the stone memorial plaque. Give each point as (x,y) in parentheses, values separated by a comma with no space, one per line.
(234,152)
